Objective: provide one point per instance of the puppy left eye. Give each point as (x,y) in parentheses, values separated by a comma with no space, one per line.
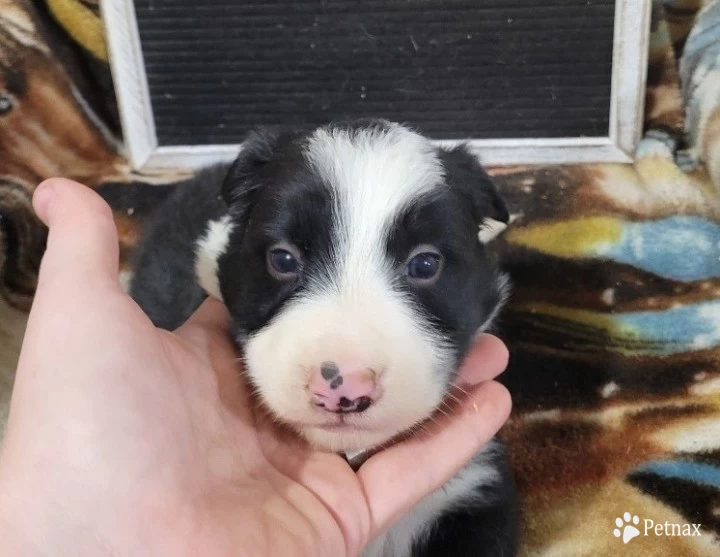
(424,266)
(283,262)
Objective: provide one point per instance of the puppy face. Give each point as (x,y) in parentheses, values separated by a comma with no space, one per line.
(351,266)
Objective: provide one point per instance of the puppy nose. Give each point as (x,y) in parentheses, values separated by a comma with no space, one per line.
(343,388)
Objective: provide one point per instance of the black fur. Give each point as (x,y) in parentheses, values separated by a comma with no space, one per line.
(164,282)
(481,529)
(273,195)
(271,203)
(466,292)
(468,178)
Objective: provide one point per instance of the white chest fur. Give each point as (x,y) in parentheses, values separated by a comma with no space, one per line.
(207,250)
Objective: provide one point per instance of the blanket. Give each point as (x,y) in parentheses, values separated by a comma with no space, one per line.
(614,321)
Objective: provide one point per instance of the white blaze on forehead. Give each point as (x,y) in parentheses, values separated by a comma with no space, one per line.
(375,174)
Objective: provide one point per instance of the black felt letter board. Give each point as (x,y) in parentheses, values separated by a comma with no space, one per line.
(456,69)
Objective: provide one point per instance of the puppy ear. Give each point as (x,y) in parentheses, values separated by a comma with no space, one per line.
(245,174)
(465,174)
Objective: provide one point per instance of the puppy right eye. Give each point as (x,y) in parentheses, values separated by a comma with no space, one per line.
(282,263)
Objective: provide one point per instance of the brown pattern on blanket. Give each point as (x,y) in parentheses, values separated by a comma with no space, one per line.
(45,130)
(614,329)
(614,325)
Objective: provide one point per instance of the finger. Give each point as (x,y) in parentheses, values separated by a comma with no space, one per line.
(397,478)
(82,246)
(210,320)
(210,314)
(207,330)
(487,359)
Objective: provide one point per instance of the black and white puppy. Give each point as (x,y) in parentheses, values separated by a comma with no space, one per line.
(349,259)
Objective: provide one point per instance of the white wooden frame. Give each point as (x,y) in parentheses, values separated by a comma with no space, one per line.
(630,55)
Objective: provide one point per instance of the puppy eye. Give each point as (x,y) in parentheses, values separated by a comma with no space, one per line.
(423,266)
(282,263)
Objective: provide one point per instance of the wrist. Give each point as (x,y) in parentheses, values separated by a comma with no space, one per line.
(15,541)
(32,524)
(13,545)
(30,533)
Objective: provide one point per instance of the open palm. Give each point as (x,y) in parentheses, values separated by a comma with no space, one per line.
(124,439)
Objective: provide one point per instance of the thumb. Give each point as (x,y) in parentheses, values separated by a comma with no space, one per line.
(82,246)
(399,477)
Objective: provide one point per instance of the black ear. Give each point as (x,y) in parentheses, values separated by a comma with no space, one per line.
(465,174)
(245,175)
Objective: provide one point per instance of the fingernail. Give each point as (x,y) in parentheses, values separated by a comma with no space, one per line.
(43,197)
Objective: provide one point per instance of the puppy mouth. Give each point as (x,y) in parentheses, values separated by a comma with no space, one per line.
(340,425)
(355,456)
(334,427)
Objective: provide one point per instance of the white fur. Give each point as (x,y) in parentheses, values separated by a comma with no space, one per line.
(490,230)
(353,313)
(504,287)
(125,277)
(374,175)
(208,248)
(377,329)
(415,525)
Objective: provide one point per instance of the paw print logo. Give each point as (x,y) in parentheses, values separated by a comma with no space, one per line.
(625,527)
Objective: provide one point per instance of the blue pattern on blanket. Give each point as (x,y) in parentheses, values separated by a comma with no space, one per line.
(688,470)
(681,248)
(679,329)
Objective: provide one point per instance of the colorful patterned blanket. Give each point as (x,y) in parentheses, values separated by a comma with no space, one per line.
(614,324)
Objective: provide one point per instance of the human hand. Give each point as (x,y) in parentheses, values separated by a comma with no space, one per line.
(124,439)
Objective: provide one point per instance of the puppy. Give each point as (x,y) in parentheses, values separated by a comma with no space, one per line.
(348,257)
